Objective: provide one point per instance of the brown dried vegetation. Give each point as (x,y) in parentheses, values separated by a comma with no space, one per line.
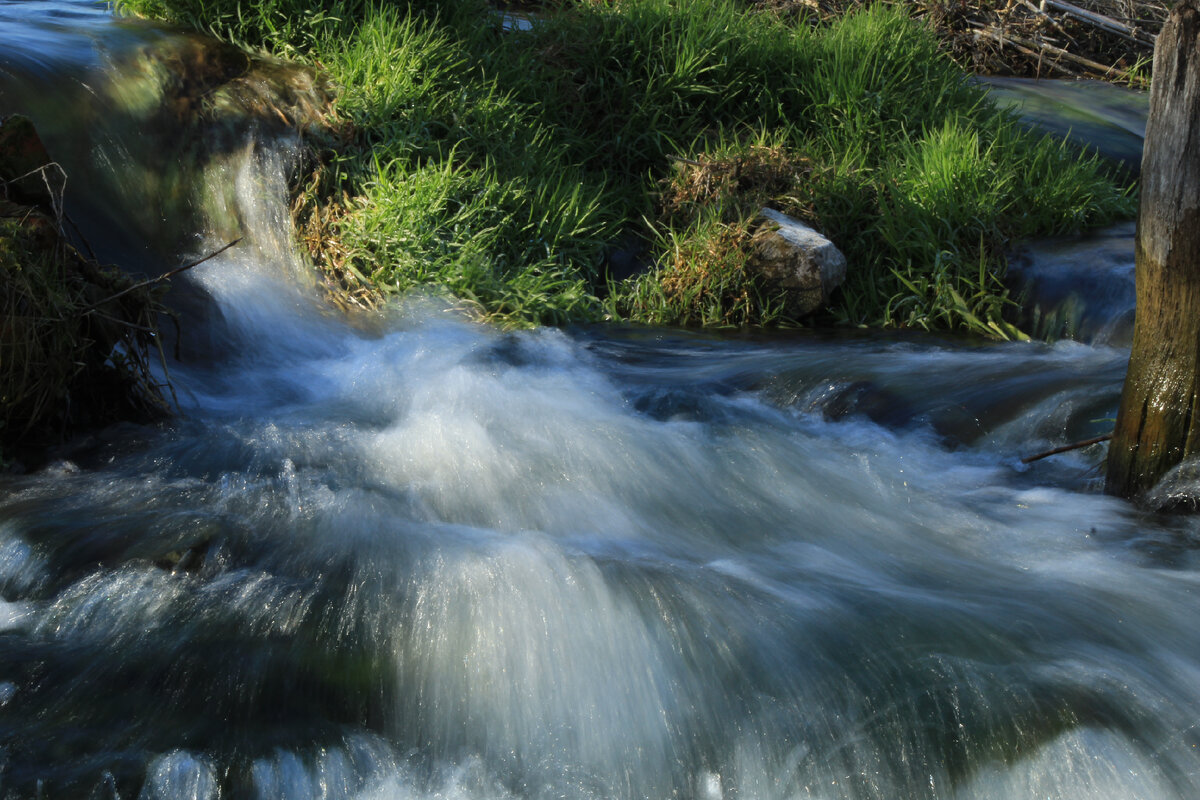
(1100,39)
(76,338)
(738,184)
(715,199)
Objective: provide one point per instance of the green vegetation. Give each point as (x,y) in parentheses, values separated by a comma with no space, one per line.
(499,166)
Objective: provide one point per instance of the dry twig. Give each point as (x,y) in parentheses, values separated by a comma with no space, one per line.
(1066,448)
(151,281)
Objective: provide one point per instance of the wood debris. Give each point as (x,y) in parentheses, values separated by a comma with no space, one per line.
(1109,40)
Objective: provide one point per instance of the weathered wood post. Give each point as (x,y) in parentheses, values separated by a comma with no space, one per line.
(1158,424)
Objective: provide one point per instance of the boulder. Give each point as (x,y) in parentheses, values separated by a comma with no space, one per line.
(787,254)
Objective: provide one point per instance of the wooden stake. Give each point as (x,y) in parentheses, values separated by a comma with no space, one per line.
(1158,424)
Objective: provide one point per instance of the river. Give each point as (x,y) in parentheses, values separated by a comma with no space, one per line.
(432,559)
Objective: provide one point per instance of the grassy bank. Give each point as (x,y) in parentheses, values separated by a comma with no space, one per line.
(501,166)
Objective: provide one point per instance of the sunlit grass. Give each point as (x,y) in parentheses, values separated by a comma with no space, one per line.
(497,166)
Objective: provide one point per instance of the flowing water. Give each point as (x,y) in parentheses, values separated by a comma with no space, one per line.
(436,560)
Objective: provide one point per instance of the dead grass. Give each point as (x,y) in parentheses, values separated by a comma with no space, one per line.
(73,354)
(1109,40)
(735,184)
(703,280)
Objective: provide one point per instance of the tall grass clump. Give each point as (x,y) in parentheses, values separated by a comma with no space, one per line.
(457,186)
(703,233)
(498,166)
(638,81)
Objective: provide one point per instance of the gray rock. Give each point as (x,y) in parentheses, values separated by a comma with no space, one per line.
(790,255)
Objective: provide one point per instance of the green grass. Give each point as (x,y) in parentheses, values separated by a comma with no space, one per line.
(497,167)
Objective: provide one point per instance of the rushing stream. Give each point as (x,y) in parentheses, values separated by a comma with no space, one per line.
(436,560)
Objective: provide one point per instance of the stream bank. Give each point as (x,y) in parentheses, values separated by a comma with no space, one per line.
(76,338)
(201,103)
(499,167)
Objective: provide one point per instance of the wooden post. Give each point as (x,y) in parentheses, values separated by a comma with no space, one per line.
(1158,424)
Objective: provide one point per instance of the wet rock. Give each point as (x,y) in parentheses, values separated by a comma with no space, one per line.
(190,559)
(787,254)
(208,92)
(837,401)
(1178,491)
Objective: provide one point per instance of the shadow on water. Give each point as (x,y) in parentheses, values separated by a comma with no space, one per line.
(139,116)
(1108,119)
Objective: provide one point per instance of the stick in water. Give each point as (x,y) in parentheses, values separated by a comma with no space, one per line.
(163,277)
(1065,448)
